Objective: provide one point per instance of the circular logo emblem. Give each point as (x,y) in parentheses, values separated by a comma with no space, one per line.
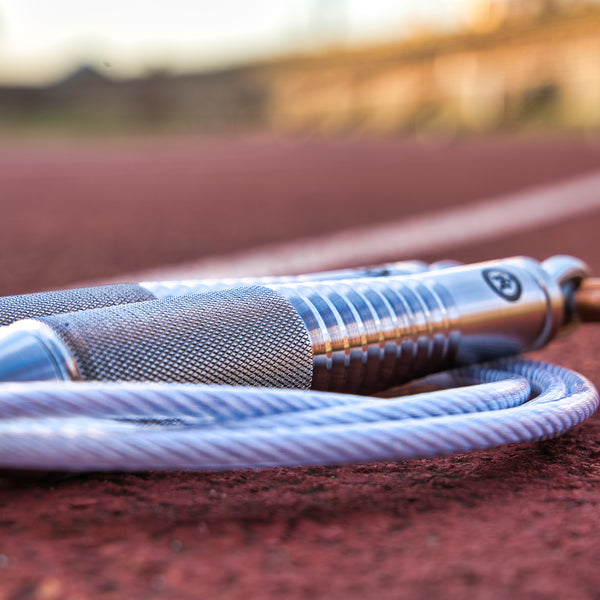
(505,284)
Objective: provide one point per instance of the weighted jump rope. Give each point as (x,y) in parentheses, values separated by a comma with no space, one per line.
(276,372)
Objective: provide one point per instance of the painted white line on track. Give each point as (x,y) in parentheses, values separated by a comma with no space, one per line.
(439,231)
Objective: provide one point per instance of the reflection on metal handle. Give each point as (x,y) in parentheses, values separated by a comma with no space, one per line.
(167,289)
(349,335)
(42,304)
(368,335)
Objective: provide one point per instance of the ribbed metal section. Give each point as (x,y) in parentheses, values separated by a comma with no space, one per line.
(369,335)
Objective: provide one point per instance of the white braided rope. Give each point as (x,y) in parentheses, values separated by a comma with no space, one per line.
(96,426)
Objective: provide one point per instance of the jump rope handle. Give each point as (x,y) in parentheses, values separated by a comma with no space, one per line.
(43,304)
(348,335)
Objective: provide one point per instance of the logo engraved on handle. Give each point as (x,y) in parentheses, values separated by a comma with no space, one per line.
(505,284)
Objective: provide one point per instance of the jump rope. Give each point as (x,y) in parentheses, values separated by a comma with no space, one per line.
(225,374)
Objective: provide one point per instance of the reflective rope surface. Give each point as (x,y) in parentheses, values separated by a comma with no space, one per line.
(131,426)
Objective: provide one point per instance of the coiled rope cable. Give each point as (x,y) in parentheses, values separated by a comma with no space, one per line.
(101,426)
(83,426)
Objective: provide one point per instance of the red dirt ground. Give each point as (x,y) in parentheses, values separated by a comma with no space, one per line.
(520,521)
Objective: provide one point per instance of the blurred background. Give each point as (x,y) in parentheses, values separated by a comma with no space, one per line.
(304,66)
(135,135)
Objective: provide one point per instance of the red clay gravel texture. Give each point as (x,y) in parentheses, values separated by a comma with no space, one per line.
(518,521)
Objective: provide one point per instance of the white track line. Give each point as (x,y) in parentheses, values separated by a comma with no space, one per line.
(396,240)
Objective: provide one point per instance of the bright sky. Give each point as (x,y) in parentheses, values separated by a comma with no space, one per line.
(41,40)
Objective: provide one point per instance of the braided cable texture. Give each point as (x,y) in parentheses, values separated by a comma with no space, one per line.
(134,427)
(247,336)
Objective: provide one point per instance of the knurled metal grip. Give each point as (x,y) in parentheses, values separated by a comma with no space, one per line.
(28,306)
(248,336)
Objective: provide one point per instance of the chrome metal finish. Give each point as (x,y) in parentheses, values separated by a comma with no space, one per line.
(444,264)
(565,269)
(166,289)
(365,334)
(42,304)
(369,334)
(568,272)
(30,350)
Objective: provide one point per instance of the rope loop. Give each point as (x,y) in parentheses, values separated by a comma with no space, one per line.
(81,426)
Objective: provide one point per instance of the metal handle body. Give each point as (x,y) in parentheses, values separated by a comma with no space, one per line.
(167,289)
(368,335)
(348,335)
(42,304)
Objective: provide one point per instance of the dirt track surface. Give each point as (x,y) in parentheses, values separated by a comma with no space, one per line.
(520,521)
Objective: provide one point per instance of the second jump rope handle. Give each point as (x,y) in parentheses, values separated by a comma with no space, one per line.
(43,304)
